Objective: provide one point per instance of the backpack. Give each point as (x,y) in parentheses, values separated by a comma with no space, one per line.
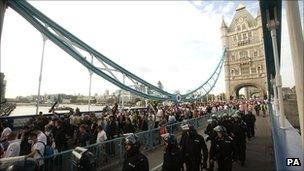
(48,151)
(162,130)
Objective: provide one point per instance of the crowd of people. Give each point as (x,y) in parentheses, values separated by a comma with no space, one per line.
(43,135)
(227,134)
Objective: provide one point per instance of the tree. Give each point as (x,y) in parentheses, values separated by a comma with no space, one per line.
(110,100)
(137,99)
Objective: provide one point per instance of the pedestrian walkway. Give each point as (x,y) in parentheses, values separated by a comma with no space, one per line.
(259,150)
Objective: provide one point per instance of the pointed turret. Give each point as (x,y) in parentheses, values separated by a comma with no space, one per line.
(223,22)
(259,13)
(224,32)
(258,18)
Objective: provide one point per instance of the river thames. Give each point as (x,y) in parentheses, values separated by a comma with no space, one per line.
(31,109)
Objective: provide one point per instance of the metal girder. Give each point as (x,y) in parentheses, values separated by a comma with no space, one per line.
(70,44)
(273,8)
(197,93)
(37,14)
(66,45)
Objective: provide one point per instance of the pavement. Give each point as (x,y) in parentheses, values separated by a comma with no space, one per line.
(259,152)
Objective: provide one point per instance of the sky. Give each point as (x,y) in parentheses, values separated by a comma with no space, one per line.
(175,42)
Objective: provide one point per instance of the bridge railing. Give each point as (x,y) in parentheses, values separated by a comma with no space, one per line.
(110,153)
(286,143)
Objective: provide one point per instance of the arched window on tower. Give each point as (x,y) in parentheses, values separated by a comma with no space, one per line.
(255,53)
(243,26)
(250,34)
(236,71)
(253,70)
(243,54)
(239,37)
(233,57)
(238,28)
(244,36)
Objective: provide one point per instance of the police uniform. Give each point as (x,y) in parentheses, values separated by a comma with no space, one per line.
(211,136)
(172,160)
(172,155)
(135,162)
(191,146)
(134,159)
(239,131)
(222,151)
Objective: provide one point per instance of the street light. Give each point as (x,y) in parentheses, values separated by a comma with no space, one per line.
(44,38)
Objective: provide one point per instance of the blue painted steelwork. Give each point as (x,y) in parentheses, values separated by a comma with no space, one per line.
(27,14)
(84,46)
(286,143)
(67,41)
(270,6)
(197,93)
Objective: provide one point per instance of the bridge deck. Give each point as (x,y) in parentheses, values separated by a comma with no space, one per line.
(259,151)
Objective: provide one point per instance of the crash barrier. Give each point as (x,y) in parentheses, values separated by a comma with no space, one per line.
(288,153)
(111,152)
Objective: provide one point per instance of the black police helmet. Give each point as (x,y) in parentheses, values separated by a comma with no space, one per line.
(132,139)
(219,128)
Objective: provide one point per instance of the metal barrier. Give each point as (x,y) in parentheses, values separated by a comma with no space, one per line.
(111,152)
(286,143)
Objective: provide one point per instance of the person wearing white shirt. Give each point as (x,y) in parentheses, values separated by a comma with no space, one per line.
(13,149)
(101,136)
(37,150)
(171,119)
(41,137)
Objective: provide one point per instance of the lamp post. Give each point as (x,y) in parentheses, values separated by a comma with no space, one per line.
(44,38)
(90,86)
(122,94)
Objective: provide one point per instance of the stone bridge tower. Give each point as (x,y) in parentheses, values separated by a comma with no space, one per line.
(245,60)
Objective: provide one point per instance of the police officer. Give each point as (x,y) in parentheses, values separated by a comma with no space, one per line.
(214,117)
(211,136)
(239,135)
(134,159)
(226,123)
(172,155)
(222,149)
(212,123)
(250,119)
(191,145)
